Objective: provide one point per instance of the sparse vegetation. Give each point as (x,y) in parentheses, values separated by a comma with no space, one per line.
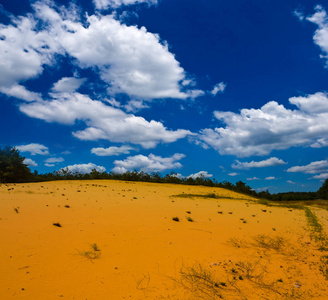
(57,224)
(189,219)
(176,219)
(93,253)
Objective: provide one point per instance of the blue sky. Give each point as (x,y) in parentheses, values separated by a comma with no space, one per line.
(231,90)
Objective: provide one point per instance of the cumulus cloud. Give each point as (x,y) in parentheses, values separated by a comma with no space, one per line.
(128,59)
(24,50)
(320,37)
(290,182)
(312,168)
(111,151)
(104,4)
(218,88)
(30,162)
(272,161)
(52,160)
(84,168)
(201,174)
(150,163)
(321,176)
(68,84)
(102,121)
(270,178)
(33,149)
(272,127)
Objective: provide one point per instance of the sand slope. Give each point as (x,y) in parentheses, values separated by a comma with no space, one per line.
(117,240)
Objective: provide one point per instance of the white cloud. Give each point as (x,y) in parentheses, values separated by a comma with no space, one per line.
(54,160)
(253,178)
(68,84)
(233,174)
(272,127)
(201,174)
(112,151)
(33,149)
(20,92)
(291,182)
(312,168)
(321,176)
(150,163)
(299,14)
(270,178)
(24,50)
(218,88)
(30,162)
(135,105)
(104,4)
(84,168)
(321,34)
(272,161)
(103,122)
(130,60)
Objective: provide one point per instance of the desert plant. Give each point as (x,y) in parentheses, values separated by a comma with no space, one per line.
(176,219)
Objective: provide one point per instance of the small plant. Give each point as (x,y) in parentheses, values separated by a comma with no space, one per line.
(189,219)
(92,254)
(188,212)
(57,224)
(16,209)
(67,206)
(176,219)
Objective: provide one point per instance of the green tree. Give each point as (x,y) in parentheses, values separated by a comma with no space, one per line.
(12,167)
(322,193)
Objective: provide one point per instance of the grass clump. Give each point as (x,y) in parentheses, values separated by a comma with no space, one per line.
(57,224)
(276,243)
(189,219)
(93,253)
(176,219)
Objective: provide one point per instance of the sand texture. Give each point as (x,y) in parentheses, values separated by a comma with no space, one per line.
(118,240)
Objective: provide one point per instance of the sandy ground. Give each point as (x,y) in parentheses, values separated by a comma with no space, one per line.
(118,240)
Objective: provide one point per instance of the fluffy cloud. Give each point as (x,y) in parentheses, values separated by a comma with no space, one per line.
(130,60)
(218,88)
(272,127)
(233,174)
(84,168)
(33,149)
(103,122)
(270,178)
(201,174)
(150,163)
(68,84)
(321,176)
(30,162)
(24,50)
(312,168)
(104,4)
(111,151)
(321,34)
(272,161)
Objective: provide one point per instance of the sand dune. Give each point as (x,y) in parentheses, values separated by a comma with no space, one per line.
(118,240)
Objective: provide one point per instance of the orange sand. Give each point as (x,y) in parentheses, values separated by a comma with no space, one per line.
(143,253)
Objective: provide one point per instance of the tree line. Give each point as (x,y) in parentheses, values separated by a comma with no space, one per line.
(13,170)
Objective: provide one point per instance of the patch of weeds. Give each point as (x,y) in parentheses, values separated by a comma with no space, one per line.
(67,206)
(189,219)
(188,212)
(93,253)
(276,243)
(324,266)
(16,209)
(57,224)
(176,219)
(202,282)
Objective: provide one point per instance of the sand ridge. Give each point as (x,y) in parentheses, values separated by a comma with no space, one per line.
(118,240)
